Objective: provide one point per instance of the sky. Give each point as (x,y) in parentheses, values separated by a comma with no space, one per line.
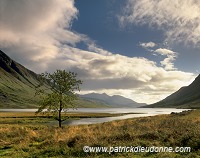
(144,50)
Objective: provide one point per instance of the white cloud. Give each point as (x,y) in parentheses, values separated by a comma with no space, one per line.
(148,45)
(170,57)
(93,47)
(180,20)
(166,52)
(36,29)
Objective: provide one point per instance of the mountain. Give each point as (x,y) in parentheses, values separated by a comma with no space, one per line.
(17,86)
(185,97)
(112,101)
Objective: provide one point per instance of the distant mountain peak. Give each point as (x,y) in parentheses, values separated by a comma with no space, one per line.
(113,101)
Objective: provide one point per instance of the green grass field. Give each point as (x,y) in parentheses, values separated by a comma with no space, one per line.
(27,135)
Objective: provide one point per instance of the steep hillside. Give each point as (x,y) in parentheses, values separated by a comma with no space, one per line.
(16,84)
(185,97)
(112,101)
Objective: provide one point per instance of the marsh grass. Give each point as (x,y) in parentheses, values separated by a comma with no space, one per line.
(40,140)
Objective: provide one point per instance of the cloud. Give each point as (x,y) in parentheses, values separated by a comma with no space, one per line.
(180,20)
(36,29)
(93,47)
(166,52)
(137,78)
(170,57)
(148,45)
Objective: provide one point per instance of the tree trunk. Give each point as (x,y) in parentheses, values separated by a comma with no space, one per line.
(60,123)
(59,114)
(59,118)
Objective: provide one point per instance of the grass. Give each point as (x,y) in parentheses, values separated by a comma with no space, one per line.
(39,140)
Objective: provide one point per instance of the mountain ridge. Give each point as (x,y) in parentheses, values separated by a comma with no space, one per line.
(185,97)
(16,69)
(16,84)
(115,100)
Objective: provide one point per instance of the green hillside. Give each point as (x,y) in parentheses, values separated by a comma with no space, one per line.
(16,84)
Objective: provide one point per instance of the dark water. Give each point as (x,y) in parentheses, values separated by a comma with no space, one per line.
(142,112)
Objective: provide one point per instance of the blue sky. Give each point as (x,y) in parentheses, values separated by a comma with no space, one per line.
(104,28)
(99,21)
(144,50)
